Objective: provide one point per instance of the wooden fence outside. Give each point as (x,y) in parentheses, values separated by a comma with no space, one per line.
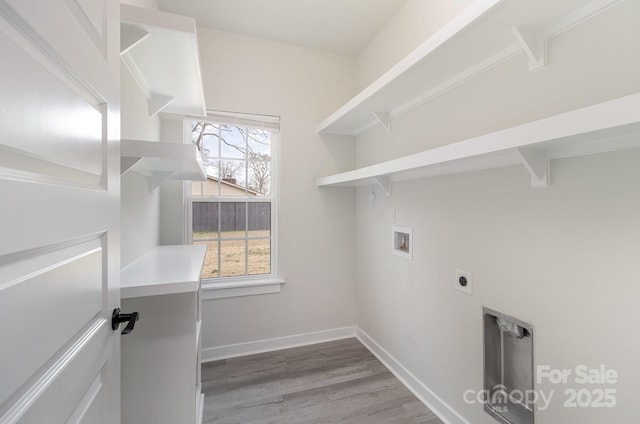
(233,216)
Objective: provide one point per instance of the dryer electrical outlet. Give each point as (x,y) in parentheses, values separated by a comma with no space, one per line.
(463,281)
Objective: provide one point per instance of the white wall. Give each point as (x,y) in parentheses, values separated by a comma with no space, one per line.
(316,234)
(140,208)
(563,258)
(411,25)
(172,200)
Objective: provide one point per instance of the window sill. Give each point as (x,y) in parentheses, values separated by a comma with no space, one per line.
(239,288)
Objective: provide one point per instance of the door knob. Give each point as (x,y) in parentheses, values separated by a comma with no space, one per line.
(118,318)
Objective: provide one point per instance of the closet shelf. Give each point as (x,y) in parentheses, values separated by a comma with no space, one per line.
(164,270)
(608,126)
(485,34)
(161,161)
(160,50)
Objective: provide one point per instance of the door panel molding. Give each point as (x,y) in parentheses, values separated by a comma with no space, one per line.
(65,289)
(75,127)
(25,403)
(29,39)
(90,408)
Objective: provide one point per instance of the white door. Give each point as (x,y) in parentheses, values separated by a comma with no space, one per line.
(59,211)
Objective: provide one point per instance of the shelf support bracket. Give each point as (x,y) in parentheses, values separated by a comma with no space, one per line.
(384,119)
(157,178)
(127,162)
(159,102)
(131,36)
(535,160)
(384,183)
(534,45)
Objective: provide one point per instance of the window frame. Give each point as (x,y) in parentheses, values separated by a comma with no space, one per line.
(221,287)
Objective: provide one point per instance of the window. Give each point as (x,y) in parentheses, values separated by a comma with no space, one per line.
(233,211)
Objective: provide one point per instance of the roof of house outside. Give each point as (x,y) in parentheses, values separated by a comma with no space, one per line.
(231,182)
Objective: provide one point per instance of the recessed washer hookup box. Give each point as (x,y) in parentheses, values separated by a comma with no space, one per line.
(508,368)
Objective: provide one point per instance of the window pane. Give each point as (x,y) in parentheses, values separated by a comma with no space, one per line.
(232,177)
(205,220)
(201,130)
(212,168)
(210,146)
(259,256)
(234,142)
(210,268)
(259,142)
(259,177)
(211,187)
(206,136)
(259,219)
(233,219)
(233,258)
(238,233)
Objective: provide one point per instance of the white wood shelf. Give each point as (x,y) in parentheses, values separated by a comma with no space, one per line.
(612,125)
(485,34)
(163,270)
(162,161)
(161,52)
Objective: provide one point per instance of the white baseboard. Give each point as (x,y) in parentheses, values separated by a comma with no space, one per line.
(439,407)
(260,346)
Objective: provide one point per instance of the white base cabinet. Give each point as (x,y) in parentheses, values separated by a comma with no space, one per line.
(161,357)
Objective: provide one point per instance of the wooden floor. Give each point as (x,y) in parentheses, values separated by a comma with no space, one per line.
(334,382)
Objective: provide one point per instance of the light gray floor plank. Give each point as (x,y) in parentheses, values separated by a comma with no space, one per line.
(334,382)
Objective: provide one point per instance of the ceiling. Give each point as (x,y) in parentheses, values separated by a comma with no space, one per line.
(341,26)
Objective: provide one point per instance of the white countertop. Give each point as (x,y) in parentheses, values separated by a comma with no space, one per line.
(163,270)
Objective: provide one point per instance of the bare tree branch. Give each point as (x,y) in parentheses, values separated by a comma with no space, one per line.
(258,163)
